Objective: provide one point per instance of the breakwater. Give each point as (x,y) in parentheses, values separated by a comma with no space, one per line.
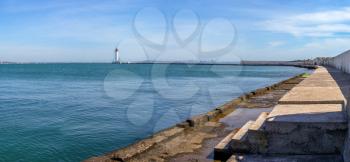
(308,124)
(340,62)
(302,64)
(272,63)
(187,131)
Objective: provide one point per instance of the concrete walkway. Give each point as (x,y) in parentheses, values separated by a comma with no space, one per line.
(312,113)
(324,86)
(309,120)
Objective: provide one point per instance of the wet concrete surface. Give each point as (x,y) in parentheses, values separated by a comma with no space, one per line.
(231,122)
(247,110)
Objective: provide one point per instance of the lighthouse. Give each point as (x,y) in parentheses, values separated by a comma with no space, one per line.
(117,57)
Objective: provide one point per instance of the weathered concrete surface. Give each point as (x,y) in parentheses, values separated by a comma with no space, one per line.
(285,158)
(224,149)
(306,140)
(247,110)
(335,76)
(316,122)
(315,83)
(313,95)
(237,142)
(310,120)
(342,63)
(242,115)
(220,149)
(307,114)
(242,131)
(324,86)
(306,129)
(249,139)
(259,122)
(256,137)
(343,84)
(295,129)
(267,100)
(328,73)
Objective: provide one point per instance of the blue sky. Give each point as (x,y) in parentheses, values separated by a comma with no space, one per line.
(227,30)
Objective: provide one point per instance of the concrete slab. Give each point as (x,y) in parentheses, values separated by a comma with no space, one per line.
(221,148)
(337,77)
(285,158)
(242,115)
(329,74)
(327,70)
(323,75)
(312,113)
(317,83)
(243,131)
(238,144)
(313,95)
(306,129)
(325,83)
(259,121)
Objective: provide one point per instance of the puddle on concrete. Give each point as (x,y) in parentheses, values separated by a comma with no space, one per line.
(232,121)
(242,115)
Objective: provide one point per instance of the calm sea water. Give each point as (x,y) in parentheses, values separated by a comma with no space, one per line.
(70,112)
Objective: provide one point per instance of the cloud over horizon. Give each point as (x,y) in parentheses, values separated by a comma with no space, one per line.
(315,24)
(88,31)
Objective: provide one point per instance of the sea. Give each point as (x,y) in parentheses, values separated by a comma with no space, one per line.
(70,112)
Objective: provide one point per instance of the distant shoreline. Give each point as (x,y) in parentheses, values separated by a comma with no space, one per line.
(265,63)
(243,63)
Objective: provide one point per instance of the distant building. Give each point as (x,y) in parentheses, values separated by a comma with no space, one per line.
(322,60)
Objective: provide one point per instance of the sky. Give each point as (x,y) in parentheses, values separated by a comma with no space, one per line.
(168,30)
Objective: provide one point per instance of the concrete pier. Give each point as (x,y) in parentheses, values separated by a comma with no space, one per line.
(341,63)
(313,95)
(320,88)
(306,129)
(310,120)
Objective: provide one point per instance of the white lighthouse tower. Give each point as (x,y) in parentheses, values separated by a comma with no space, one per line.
(117,57)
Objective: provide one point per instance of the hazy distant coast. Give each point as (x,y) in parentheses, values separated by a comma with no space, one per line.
(243,62)
(6,62)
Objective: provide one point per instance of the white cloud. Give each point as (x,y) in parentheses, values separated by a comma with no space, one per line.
(325,17)
(326,47)
(317,24)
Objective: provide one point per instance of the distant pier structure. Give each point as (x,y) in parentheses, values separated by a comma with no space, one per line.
(117,57)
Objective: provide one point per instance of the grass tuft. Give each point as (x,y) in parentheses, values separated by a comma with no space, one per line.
(305,75)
